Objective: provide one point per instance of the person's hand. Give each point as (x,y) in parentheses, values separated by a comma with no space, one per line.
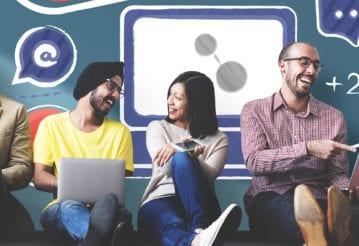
(326,149)
(163,155)
(198,150)
(354,195)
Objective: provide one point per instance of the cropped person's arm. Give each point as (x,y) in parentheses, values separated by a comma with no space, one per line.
(44,180)
(18,172)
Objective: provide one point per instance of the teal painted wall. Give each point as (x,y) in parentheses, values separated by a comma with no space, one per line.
(96,33)
(102,33)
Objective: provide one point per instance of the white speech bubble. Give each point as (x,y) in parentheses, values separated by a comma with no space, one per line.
(66,9)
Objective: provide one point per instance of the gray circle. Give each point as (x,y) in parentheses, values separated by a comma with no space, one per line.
(231,76)
(205,44)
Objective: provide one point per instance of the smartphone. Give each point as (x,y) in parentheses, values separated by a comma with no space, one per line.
(186,146)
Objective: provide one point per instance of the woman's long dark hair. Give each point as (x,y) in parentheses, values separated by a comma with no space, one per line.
(201,103)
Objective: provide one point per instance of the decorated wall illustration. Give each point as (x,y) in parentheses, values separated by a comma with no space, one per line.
(46,44)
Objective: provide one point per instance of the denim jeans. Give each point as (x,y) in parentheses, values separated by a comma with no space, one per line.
(172,220)
(271,216)
(68,221)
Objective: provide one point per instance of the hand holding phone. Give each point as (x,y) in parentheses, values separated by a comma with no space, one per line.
(187,145)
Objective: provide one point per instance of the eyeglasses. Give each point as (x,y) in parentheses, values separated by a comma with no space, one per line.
(112,86)
(305,62)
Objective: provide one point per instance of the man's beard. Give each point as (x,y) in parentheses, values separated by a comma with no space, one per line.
(296,90)
(301,95)
(95,102)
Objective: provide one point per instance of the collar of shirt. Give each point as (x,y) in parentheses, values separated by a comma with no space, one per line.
(312,108)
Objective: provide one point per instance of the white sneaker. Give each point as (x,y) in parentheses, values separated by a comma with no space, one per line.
(227,222)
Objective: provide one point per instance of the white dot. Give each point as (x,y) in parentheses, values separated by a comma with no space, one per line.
(353,13)
(339,14)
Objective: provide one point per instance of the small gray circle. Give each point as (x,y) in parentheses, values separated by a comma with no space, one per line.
(231,76)
(205,44)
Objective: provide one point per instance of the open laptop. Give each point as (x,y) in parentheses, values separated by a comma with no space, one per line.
(86,180)
(354,179)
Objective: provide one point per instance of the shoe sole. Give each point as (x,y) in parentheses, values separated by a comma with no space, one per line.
(338,215)
(309,217)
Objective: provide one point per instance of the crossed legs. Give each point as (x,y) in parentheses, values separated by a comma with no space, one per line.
(71,221)
(297,217)
(316,228)
(179,219)
(271,217)
(173,220)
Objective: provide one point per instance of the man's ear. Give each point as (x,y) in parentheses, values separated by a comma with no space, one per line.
(281,65)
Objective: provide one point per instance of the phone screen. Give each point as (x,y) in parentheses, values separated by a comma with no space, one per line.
(186,146)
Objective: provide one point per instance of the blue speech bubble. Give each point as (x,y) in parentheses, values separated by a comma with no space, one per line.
(44,56)
(338,18)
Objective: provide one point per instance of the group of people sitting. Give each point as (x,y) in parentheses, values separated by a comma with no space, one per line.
(294,145)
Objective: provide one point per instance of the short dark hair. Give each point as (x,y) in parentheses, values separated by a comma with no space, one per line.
(284,52)
(202,115)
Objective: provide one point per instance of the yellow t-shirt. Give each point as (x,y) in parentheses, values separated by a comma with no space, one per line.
(57,137)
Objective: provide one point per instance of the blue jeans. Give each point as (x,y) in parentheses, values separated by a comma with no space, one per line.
(172,220)
(271,216)
(66,221)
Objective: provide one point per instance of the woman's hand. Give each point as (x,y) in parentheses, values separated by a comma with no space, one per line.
(197,151)
(163,155)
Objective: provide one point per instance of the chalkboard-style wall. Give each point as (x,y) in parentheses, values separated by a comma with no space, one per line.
(160,39)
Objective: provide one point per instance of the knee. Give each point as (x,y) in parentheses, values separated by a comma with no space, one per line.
(108,203)
(70,204)
(51,213)
(110,199)
(180,161)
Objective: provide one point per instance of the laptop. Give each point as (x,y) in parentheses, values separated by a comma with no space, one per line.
(86,180)
(354,179)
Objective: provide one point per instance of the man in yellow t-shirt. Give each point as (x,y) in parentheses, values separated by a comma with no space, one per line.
(85,132)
